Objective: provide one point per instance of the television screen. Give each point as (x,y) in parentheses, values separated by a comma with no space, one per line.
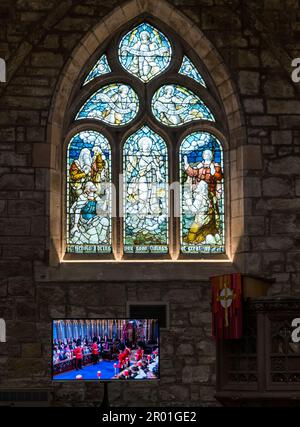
(105,349)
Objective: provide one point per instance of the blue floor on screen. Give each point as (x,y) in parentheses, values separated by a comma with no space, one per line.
(90,372)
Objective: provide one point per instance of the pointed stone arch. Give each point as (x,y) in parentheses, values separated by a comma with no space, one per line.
(180,23)
(194,37)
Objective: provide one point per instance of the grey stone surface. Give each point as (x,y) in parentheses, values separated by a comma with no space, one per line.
(38,37)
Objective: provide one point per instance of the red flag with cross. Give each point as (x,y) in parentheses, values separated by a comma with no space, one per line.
(227,306)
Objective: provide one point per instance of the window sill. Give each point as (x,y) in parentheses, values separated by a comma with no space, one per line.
(134,270)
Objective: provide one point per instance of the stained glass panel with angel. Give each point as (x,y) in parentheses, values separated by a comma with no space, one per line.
(116,104)
(175,105)
(145,52)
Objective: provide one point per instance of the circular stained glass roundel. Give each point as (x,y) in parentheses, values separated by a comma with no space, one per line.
(145,52)
(116,104)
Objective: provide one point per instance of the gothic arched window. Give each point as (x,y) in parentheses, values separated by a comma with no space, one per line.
(145,117)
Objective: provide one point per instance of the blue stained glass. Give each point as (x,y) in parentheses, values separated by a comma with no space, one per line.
(101,67)
(116,104)
(88,193)
(175,105)
(188,69)
(145,166)
(202,194)
(145,52)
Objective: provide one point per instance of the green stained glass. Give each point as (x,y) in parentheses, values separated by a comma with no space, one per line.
(88,194)
(116,104)
(175,105)
(188,69)
(101,67)
(202,194)
(145,168)
(145,52)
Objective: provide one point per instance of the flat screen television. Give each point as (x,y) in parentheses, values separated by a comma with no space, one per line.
(105,349)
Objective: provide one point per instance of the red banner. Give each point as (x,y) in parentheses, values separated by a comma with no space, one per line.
(227,306)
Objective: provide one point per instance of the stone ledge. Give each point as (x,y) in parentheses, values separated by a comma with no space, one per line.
(135,270)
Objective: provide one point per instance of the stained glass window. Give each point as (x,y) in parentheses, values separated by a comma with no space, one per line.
(202,194)
(188,69)
(145,52)
(101,67)
(88,194)
(175,105)
(116,104)
(145,165)
(143,225)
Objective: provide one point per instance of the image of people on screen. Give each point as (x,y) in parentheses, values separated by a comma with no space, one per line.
(105,349)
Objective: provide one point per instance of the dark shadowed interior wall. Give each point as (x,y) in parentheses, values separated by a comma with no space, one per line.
(247,49)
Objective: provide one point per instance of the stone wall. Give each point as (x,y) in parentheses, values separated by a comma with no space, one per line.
(256,41)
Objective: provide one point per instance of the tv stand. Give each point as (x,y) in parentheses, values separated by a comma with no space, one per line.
(105,401)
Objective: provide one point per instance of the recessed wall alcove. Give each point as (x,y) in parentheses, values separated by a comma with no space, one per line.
(235,154)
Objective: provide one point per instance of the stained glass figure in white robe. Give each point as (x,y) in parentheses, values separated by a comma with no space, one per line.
(145,52)
(175,105)
(146,193)
(116,104)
